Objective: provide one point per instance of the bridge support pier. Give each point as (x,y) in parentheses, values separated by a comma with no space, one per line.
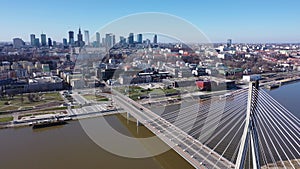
(137,123)
(127,115)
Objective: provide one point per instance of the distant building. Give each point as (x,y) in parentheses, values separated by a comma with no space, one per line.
(43,40)
(80,42)
(87,37)
(37,42)
(122,40)
(65,42)
(18,43)
(71,38)
(32,38)
(109,40)
(140,38)
(155,39)
(131,38)
(98,39)
(50,42)
(229,43)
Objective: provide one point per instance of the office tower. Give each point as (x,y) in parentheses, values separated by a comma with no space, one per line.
(87,37)
(18,43)
(80,42)
(109,40)
(49,42)
(32,38)
(229,43)
(37,42)
(71,38)
(98,39)
(65,42)
(122,40)
(43,40)
(54,44)
(131,38)
(113,40)
(155,39)
(140,38)
(103,42)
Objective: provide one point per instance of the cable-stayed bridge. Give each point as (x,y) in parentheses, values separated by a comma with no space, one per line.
(247,129)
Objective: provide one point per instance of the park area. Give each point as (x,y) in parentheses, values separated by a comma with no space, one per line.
(138,93)
(30,101)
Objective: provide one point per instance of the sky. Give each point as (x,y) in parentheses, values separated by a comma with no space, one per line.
(243,21)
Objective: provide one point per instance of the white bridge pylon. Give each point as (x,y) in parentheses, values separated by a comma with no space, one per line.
(249,134)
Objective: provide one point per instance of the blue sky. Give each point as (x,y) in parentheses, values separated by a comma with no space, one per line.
(240,20)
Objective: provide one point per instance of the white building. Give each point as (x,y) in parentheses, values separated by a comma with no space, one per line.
(250,78)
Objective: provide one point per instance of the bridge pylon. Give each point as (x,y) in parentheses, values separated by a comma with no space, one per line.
(250,133)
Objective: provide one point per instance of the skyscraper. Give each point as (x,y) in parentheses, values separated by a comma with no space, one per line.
(80,42)
(65,42)
(49,42)
(37,42)
(140,38)
(87,37)
(109,40)
(43,39)
(71,37)
(98,39)
(32,38)
(122,40)
(155,39)
(131,38)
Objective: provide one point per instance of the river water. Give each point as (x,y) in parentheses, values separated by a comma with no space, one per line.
(68,146)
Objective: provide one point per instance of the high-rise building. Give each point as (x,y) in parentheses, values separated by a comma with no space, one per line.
(37,42)
(71,38)
(229,43)
(65,42)
(87,37)
(80,42)
(155,39)
(113,40)
(109,40)
(43,39)
(49,42)
(103,42)
(131,38)
(32,38)
(54,44)
(122,40)
(18,43)
(98,39)
(140,38)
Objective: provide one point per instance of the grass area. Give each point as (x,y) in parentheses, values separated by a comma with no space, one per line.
(6,119)
(102,100)
(136,92)
(14,103)
(95,97)
(8,108)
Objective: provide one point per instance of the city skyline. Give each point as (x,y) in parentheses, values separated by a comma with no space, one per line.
(255,21)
